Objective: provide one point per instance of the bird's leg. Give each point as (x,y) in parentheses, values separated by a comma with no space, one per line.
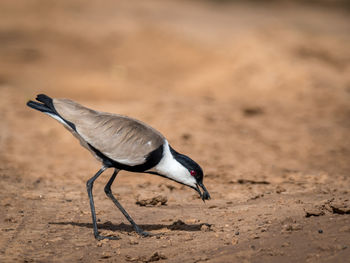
(89,186)
(108,192)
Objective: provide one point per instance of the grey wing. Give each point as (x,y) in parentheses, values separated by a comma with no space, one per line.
(122,139)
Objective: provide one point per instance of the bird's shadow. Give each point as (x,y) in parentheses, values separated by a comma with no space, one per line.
(176,226)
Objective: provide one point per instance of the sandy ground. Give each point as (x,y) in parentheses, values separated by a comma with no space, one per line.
(259,95)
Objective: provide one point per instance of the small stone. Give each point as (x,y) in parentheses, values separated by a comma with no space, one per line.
(313,211)
(234,241)
(340,208)
(10,220)
(205,228)
(256,196)
(280,189)
(286,244)
(133,242)
(177,225)
(155,201)
(192,221)
(292,227)
(237,233)
(32,196)
(102,242)
(131,259)
(156,256)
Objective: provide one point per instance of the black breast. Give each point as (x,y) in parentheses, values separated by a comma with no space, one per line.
(152,159)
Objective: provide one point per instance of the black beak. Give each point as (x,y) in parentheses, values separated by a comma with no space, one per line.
(205,195)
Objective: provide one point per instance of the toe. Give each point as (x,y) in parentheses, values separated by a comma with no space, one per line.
(145,234)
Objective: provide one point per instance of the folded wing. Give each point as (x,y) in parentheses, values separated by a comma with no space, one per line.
(120,138)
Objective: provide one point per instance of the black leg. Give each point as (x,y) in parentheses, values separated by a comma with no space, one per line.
(89,186)
(108,192)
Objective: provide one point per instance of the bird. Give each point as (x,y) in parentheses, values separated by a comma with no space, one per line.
(121,143)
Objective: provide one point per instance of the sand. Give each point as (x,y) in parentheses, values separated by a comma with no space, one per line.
(258,95)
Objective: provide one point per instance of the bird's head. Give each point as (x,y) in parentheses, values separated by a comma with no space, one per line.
(192,175)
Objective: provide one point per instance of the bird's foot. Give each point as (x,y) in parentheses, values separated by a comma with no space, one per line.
(144,233)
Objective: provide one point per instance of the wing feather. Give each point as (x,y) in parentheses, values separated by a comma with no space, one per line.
(124,140)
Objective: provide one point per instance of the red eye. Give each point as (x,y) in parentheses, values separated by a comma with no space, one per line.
(193,173)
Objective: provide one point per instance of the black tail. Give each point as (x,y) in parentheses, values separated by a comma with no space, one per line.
(45,106)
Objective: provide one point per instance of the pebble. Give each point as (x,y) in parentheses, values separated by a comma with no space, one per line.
(280,189)
(10,220)
(106,255)
(133,242)
(313,211)
(286,244)
(102,242)
(205,228)
(292,227)
(156,256)
(234,241)
(154,201)
(191,221)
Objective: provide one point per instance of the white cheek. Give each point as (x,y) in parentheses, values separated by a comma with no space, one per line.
(172,169)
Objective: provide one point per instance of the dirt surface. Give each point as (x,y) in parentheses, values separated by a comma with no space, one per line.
(259,95)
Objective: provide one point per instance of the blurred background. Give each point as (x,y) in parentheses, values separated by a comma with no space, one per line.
(250,89)
(273,74)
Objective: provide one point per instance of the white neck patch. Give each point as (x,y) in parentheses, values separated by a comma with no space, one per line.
(171,168)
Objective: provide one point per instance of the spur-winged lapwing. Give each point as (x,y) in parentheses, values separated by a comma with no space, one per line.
(121,143)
